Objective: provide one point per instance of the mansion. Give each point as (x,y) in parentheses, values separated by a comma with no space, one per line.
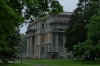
(45,37)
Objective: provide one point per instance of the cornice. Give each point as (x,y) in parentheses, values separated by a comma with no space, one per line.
(45,18)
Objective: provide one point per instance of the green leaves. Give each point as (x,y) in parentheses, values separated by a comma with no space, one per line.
(76,32)
(40,8)
(14,12)
(85,22)
(92,43)
(9,20)
(56,7)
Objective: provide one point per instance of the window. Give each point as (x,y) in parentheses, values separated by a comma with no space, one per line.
(54,37)
(50,36)
(38,38)
(46,36)
(46,24)
(42,49)
(50,48)
(46,48)
(42,38)
(42,26)
(38,50)
(38,26)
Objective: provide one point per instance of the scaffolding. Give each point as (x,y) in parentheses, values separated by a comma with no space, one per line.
(57,25)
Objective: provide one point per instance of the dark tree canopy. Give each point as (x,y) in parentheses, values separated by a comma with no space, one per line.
(13,13)
(76,33)
(83,34)
(91,46)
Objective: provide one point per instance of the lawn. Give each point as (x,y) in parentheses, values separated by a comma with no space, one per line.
(53,62)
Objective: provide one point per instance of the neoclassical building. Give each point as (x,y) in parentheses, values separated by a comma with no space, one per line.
(45,37)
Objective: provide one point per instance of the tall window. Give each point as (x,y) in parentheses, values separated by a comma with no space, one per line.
(38,26)
(54,37)
(46,36)
(42,26)
(50,48)
(50,36)
(38,49)
(46,24)
(38,38)
(42,38)
(46,48)
(42,49)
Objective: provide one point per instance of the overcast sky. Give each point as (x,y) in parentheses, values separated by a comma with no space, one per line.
(68,6)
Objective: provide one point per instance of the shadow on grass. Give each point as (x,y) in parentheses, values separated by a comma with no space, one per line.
(12,64)
(96,62)
(6,64)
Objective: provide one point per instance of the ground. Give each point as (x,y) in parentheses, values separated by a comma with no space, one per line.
(52,62)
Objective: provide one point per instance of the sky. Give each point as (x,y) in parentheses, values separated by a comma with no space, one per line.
(68,6)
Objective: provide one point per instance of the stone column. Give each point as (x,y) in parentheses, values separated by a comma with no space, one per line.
(65,52)
(28,46)
(35,47)
(40,45)
(31,46)
(64,49)
(56,42)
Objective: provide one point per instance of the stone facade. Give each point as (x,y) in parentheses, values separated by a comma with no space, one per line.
(45,38)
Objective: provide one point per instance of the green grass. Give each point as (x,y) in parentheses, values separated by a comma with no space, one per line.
(12,64)
(53,62)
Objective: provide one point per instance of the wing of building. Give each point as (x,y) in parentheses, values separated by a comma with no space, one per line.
(45,37)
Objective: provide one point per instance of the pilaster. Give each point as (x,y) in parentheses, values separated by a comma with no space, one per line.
(64,49)
(31,46)
(56,42)
(28,46)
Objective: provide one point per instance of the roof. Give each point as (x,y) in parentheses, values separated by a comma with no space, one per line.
(30,30)
(41,19)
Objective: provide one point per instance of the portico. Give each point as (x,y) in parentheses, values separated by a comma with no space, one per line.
(45,36)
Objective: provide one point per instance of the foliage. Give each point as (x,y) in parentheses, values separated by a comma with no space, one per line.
(91,46)
(40,8)
(76,33)
(8,21)
(83,34)
(13,13)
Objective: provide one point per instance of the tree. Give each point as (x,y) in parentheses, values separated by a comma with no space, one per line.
(13,13)
(76,33)
(9,21)
(91,46)
(11,54)
(40,8)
